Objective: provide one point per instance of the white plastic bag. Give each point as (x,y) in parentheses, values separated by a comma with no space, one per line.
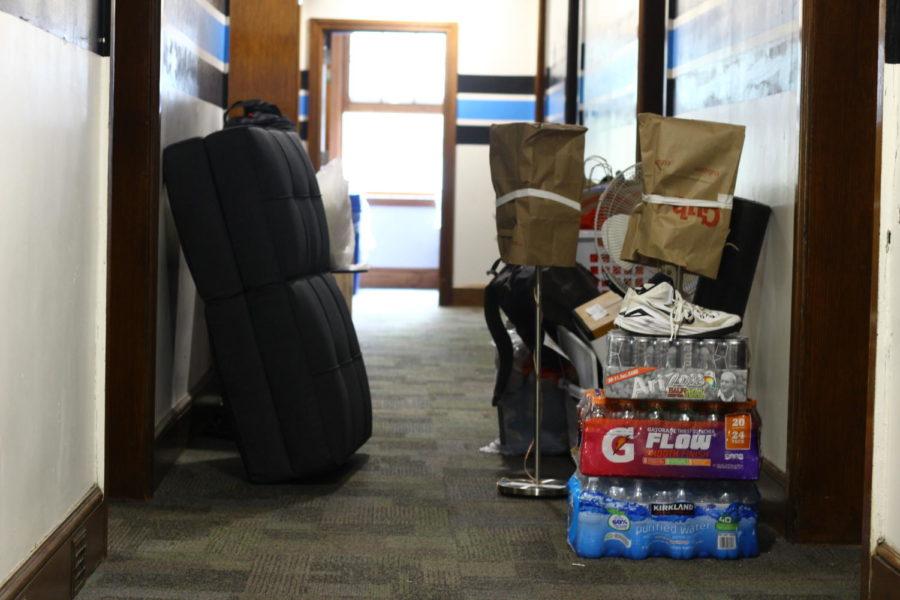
(336,198)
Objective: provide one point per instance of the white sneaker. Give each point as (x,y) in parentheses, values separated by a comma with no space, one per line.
(658,309)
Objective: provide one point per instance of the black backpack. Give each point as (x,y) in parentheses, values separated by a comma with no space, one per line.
(512,290)
(258,113)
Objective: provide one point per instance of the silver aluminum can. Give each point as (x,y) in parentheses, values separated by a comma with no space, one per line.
(736,354)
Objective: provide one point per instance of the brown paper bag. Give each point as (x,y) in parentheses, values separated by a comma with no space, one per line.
(690,169)
(538,175)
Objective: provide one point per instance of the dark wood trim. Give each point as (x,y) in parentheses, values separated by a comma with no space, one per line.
(829,385)
(540,78)
(402,202)
(651,56)
(448,200)
(62,563)
(866,564)
(336,87)
(651,69)
(468,296)
(172,433)
(888,554)
(884,574)
(317,30)
(79,22)
(573,62)
(264,57)
(377,277)
(132,252)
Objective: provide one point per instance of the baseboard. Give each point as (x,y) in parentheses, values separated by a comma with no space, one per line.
(885,574)
(58,568)
(468,296)
(173,431)
(773,486)
(779,476)
(378,277)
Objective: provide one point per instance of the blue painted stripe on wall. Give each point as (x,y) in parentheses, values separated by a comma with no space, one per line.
(555,105)
(214,37)
(502,110)
(725,25)
(303,105)
(208,32)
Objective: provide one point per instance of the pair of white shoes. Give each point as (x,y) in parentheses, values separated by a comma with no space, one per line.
(658,309)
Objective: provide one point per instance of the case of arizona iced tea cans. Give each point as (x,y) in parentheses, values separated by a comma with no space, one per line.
(640,367)
(637,519)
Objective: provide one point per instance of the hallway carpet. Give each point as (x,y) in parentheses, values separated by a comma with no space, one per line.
(416,514)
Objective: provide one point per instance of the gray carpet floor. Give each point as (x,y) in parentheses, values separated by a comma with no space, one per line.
(415,515)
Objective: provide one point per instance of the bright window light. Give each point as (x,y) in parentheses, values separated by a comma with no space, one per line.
(397,67)
(393,152)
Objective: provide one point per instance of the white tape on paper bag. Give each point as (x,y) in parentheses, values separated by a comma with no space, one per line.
(536,193)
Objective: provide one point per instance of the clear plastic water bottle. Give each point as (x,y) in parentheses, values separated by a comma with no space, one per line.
(682,413)
(655,412)
(663,494)
(712,412)
(617,489)
(625,410)
(598,407)
(727,494)
(638,491)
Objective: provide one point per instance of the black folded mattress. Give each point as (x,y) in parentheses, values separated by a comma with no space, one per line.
(249,214)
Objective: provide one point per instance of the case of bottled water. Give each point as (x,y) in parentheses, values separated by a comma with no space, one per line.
(640,367)
(641,518)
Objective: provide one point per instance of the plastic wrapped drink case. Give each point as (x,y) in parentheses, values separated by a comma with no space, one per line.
(640,367)
(629,447)
(673,519)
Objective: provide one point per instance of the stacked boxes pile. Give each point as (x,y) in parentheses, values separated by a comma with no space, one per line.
(669,452)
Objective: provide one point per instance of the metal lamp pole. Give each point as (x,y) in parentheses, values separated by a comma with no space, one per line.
(526,486)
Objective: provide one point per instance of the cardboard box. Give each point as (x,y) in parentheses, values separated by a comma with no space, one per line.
(597,316)
(726,449)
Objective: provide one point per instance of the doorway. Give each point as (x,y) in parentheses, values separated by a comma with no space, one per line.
(383,100)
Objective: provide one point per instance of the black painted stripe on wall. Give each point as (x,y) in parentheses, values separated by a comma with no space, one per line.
(495,84)
(78,22)
(221,6)
(193,75)
(892,33)
(472,134)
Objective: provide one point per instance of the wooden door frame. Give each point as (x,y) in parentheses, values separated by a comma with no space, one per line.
(883,561)
(317,31)
(133,237)
(834,284)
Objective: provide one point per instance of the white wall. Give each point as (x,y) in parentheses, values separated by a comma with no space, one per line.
(768,174)
(886,447)
(496,37)
(182,343)
(53,201)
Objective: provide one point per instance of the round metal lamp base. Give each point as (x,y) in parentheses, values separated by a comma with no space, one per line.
(545,488)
